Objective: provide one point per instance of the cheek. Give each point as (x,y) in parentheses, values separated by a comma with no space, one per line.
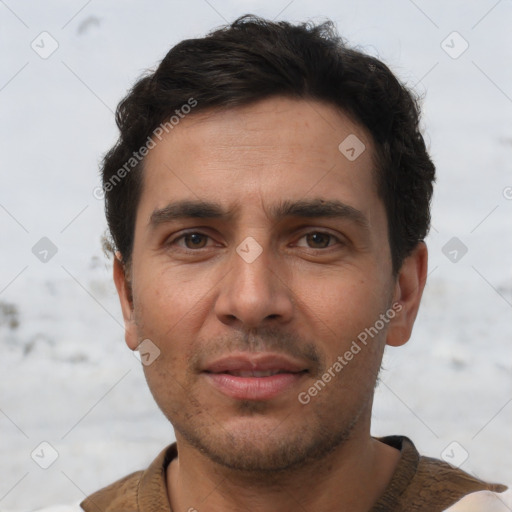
(166,300)
(171,309)
(344,306)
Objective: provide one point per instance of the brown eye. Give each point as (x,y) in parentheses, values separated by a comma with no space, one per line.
(195,240)
(318,240)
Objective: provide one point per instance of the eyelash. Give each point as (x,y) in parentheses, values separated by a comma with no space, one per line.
(188,234)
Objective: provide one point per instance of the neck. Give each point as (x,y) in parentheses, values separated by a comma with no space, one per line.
(353,477)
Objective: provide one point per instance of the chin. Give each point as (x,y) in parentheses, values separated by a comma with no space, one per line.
(252,446)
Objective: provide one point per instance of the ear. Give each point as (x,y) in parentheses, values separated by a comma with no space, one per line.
(409,287)
(124,291)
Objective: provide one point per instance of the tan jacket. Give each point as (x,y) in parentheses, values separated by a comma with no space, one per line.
(420,484)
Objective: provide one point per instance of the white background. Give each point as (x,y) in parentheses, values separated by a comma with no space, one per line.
(67,377)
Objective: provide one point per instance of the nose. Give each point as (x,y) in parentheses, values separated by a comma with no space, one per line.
(254,293)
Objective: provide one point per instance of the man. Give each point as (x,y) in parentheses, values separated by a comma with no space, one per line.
(267,200)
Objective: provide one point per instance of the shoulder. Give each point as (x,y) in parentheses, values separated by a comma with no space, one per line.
(426,483)
(440,475)
(452,487)
(144,490)
(121,495)
(61,508)
(484,501)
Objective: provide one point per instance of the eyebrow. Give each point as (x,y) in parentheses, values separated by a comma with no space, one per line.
(305,208)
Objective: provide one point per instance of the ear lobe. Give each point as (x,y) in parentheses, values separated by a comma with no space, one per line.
(124,292)
(409,287)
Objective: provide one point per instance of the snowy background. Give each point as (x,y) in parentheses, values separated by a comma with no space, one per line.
(68,379)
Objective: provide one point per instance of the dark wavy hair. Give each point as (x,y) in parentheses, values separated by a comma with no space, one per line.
(252,59)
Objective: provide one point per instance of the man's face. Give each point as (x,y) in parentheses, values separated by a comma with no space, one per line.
(287,264)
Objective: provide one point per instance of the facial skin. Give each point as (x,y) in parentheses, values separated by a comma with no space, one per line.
(318,283)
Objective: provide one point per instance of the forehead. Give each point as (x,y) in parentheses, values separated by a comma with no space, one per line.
(253,155)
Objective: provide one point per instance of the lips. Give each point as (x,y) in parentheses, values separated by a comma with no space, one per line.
(254,373)
(254,376)
(254,362)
